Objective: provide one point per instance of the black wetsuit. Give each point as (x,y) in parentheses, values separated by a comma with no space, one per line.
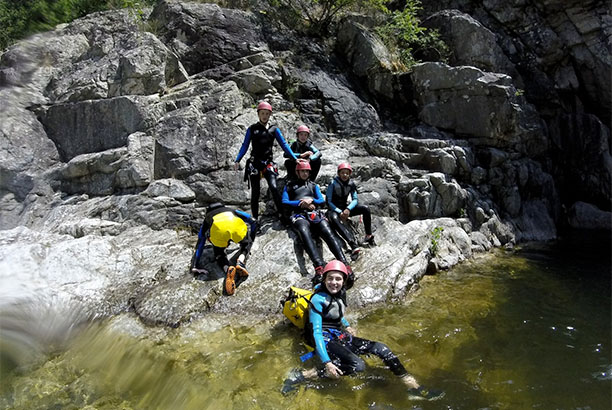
(338,193)
(306,222)
(261,139)
(315,159)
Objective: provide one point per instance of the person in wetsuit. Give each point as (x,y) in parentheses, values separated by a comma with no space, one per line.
(304,149)
(338,193)
(303,196)
(261,137)
(336,342)
(221,225)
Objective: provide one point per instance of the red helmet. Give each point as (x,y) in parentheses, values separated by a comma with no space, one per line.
(264,106)
(345,165)
(335,265)
(302,165)
(302,128)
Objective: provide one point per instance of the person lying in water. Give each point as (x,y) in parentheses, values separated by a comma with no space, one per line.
(336,342)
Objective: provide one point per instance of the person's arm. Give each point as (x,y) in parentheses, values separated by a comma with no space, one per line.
(354,201)
(292,147)
(329,194)
(245,145)
(287,201)
(317,326)
(283,143)
(318,199)
(316,154)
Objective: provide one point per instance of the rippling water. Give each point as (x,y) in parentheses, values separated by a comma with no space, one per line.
(529,329)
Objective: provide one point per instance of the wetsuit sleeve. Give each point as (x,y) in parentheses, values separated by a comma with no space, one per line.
(316,321)
(292,146)
(245,145)
(287,201)
(202,237)
(354,201)
(316,154)
(283,143)
(318,199)
(329,194)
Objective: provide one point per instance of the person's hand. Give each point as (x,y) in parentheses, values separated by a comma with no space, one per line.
(351,331)
(311,207)
(236,166)
(307,154)
(332,370)
(345,214)
(305,203)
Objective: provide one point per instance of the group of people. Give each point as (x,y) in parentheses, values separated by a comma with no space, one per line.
(335,342)
(301,195)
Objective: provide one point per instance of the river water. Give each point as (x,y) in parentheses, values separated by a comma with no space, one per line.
(513,330)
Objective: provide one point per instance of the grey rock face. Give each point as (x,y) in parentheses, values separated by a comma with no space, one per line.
(472,44)
(110,151)
(588,216)
(481,106)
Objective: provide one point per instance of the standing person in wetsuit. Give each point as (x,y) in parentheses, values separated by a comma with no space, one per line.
(336,343)
(303,196)
(340,210)
(260,137)
(221,225)
(304,149)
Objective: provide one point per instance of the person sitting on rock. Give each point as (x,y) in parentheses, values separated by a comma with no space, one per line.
(340,210)
(221,225)
(303,196)
(336,343)
(261,137)
(304,149)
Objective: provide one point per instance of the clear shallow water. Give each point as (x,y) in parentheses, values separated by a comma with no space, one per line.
(529,329)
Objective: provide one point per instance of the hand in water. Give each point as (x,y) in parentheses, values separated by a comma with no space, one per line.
(332,370)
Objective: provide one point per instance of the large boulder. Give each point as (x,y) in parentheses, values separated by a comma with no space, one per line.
(484,107)
(471,43)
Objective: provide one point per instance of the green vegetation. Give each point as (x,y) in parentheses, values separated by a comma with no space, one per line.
(411,42)
(402,33)
(436,234)
(316,16)
(20,18)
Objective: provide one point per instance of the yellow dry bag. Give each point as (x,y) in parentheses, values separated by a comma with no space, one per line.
(295,306)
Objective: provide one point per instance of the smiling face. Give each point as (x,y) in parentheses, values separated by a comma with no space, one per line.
(333,281)
(302,136)
(344,174)
(264,116)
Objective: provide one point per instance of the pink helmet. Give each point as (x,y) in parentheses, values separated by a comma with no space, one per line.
(345,165)
(302,128)
(335,265)
(302,165)
(264,106)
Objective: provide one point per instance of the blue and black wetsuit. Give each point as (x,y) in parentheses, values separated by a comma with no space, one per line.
(338,193)
(261,139)
(332,343)
(315,159)
(219,251)
(306,223)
